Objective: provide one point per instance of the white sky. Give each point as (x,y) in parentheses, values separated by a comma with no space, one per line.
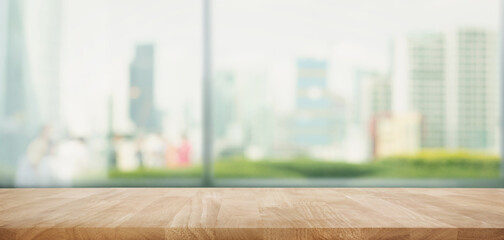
(263,36)
(347,33)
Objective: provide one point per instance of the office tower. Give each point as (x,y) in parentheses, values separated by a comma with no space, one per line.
(3,76)
(43,43)
(3,50)
(372,97)
(397,134)
(13,85)
(475,98)
(242,120)
(372,102)
(224,103)
(420,84)
(142,109)
(257,115)
(318,120)
(428,86)
(381,96)
(15,79)
(224,114)
(361,98)
(450,79)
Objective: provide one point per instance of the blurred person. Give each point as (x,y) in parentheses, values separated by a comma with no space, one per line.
(34,168)
(127,158)
(112,161)
(70,159)
(152,149)
(139,155)
(171,156)
(85,156)
(40,146)
(184,151)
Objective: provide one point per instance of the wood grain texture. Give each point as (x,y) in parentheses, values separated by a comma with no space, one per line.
(252,213)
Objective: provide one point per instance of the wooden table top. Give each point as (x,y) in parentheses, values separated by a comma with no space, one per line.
(251,213)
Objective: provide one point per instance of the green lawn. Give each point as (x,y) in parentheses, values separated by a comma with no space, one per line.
(428,164)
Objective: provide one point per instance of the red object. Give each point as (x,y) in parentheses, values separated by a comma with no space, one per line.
(184,153)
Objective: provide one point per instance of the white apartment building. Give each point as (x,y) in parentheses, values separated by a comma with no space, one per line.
(451,80)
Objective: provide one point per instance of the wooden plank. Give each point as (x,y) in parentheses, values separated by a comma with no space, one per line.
(252,213)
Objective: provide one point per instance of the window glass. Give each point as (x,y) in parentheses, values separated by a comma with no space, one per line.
(99,92)
(356,88)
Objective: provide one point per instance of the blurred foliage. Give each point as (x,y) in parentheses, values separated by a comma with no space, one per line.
(440,164)
(438,156)
(426,164)
(7,175)
(188,172)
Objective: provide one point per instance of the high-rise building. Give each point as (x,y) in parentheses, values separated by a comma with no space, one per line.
(43,20)
(319,117)
(428,86)
(475,98)
(3,49)
(372,97)
(224,101)
(257,115)
(381,96)
(15,79)
(243,123)
(450,79)
(373,101)
(3,75)
(397,134)
(13,85)
(142,109)
(227,130)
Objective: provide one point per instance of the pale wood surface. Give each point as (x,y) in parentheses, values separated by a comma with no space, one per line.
(252,213)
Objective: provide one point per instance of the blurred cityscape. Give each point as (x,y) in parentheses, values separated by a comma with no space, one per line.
(83,104)
(441,92)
